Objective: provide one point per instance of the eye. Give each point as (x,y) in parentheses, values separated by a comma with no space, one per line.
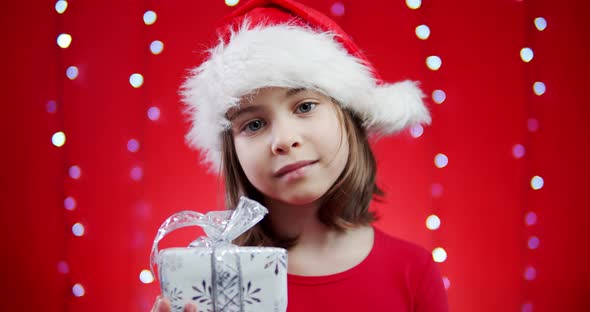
(306,107)
(254,125)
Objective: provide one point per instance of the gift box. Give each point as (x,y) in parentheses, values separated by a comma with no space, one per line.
(217,275)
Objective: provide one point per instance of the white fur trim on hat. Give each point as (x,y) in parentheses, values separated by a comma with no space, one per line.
(294,57)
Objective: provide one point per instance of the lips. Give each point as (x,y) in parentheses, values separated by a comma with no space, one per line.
(294,166)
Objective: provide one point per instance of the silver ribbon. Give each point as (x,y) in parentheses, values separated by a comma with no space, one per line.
(221,228)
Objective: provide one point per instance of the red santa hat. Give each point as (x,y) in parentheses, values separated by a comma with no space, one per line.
(282,43)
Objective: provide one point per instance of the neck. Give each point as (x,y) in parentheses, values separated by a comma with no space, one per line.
(300,221)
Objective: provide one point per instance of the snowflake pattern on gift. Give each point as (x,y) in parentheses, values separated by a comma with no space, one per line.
(273,261)
(250,294)
(203,297)
(175,296)
(173,263)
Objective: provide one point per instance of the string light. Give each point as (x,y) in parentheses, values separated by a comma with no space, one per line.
(61,6)
(414,4)
(423,32)
(540,23)
(136,80)
(58,139)
(156,47)
(526,54)
(433,62)
(149,17)
(337,9)
(72,72)
(439,96)
(64,40)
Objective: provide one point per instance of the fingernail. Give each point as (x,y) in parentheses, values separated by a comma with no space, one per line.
(190,308)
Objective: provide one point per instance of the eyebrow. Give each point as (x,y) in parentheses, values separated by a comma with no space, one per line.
(238,111)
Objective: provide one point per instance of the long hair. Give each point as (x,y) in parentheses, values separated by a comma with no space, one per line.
(345,204)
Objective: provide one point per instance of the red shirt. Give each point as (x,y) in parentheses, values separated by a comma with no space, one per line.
(396,276)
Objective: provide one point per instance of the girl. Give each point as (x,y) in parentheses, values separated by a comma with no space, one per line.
(283,107)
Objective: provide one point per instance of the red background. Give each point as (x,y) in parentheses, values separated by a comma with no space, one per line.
(486,190)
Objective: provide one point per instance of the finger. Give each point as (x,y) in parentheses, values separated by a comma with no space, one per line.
(163,305)
(189,307)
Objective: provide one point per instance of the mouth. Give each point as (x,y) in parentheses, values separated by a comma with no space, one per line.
(292,167)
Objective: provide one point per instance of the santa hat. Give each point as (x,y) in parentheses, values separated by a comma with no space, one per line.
(282,43)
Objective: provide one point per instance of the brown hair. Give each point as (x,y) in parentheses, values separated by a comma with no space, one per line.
(345,204)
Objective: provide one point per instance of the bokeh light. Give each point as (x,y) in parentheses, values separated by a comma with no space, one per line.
(61,6)
(136,173)
(51,107)
(446,282)
(146,277)
(337,9)
(439,96)
(64,40)
(78,229)
(526,54)
(518,151)
(156,47)
(423,32)
(70,203)
(78,290)
(231,2)
(153,113)
(540,23)
(63,267)
(539,88)
(58,139)
(433,222)
(533,242)
(74,172)
(532,124)
(441,160)
(149,17)
(72,72)
(526,307)
(530,218)
(530,273)
(433,62)
(136,80)
(414,4)
(133,145)
(537,183)
(416,131)
(436,190)
(439,254)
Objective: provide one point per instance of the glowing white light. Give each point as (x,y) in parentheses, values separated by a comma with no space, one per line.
(532,124)
(149,17)
(72,72)
(70,203)
(414,4)
(136,173)
(78,229)
(153,113)
(530,219)
(58,139)
(156,47)
(423,32)
(436,190)
(61,6)
(231,2)
(526,307)
(63,267)
(441,160)
(540,23)
(51,107)
(78,290)
(439,96)
(446,282)
(337,9)
(136,80)
(439,254)
(533,242)
(433,222)
(539,88)
(526,54)
(416,130)
(133,145)
(433,62)
(537,182)
(530,273)
(146,276)
(518,151)
(64,40)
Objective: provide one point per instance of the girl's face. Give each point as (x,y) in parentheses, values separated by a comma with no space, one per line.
(290,143)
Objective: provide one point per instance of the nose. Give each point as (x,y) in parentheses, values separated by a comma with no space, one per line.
(285,138)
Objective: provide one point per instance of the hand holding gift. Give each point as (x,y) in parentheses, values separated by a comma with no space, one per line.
(216,275)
